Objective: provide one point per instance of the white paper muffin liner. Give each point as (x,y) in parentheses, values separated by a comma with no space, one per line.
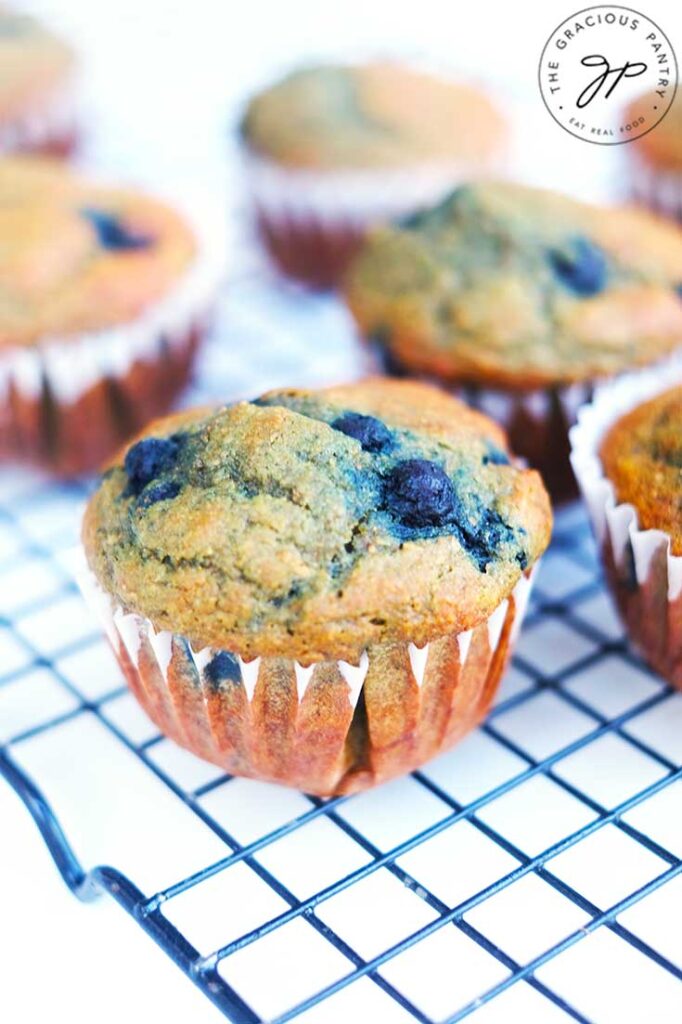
(357,198)
(177,692)
(54,120)
(337,200)
(609,518)
(536,420)
(129,628)
(537,404)
(644,575)
(658,188)
(312,221)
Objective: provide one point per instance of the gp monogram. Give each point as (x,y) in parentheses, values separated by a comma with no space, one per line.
(596,62)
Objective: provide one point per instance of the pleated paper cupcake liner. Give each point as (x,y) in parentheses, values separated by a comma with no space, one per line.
(68,402)
(327,728)
(312,223)
(644,576)
(51,129)
(537,424)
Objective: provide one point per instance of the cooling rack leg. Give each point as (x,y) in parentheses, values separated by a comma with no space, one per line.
(70,868)
(89,885)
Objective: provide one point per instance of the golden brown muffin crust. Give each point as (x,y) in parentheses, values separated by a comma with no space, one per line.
(520,288)
(642,457)
(370,116)
(313,524)
(77,257)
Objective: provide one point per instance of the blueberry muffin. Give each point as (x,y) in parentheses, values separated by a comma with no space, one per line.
(103,293)
(524,297)
(331,149)
(318,588)
(36,88)
(640,457)
(654,160)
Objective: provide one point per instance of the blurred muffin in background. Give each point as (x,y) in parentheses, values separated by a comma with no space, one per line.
(103,298)
(332,149)
(523,298)
(37,112)
(655,160)
(627,454)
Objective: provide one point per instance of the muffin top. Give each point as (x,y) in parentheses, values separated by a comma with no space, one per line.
(662,146)
(333,117)
(33,63)
(520,288)
(642,457)
(77,257)
(311,524)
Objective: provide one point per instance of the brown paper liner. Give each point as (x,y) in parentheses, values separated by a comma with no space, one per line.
(310,251)
(653,621)
(325,741)
(50,129)
(60,145)
(539,437)
(312,222)
(657,188)
(536,422)
(77,436)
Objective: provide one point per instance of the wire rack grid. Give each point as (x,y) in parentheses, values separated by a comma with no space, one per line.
(531,874)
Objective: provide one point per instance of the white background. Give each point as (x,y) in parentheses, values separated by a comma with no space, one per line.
(162,83)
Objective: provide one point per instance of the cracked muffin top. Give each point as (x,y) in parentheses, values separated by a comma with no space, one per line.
(33,64)
(311,524)
(642,457)
(331,117)
(77,257)
(521,288)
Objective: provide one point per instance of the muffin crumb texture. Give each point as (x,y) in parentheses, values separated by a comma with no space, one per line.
(519,288)
(642,457)
(78,256)
(311,524)
(355,117)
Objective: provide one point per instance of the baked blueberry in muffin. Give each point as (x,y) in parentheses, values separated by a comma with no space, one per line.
(103,296)
(524,298)
(331,149)
(350,561)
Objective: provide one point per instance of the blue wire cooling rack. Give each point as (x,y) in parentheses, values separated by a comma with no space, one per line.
(530,874)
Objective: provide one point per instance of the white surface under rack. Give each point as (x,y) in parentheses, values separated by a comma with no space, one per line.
(538,862)
(533,873)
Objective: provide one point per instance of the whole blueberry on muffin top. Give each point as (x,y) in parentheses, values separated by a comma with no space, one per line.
(313,524)
(520,288)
